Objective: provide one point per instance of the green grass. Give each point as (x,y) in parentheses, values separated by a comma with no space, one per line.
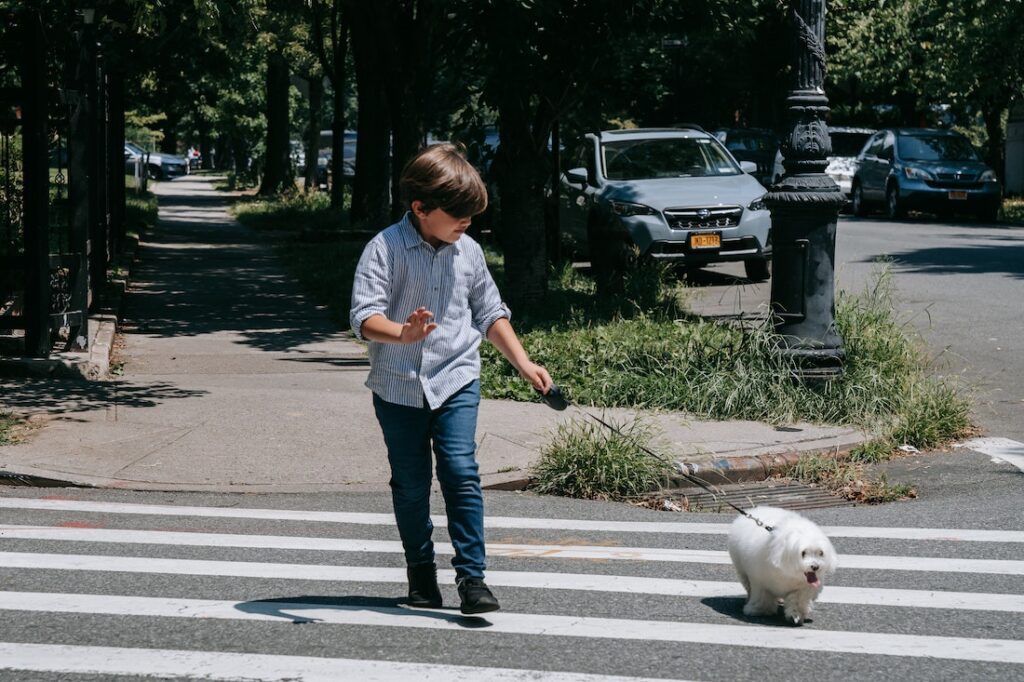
(140,211)
(585,462)
(7,423)
(297,213)
(709,369)
(1013,211)
(847,479)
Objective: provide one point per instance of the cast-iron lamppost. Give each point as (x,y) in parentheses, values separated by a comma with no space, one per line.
(805,207)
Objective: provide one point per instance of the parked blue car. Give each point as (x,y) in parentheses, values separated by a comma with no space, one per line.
(924,169)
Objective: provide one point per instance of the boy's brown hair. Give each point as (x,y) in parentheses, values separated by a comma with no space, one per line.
(441,177)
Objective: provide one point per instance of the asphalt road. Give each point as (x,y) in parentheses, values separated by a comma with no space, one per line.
(960,284)
(268,587)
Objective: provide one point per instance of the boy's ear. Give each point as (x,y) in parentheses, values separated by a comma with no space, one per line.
(417,208)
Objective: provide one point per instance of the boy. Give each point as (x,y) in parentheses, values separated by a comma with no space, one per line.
(423,297)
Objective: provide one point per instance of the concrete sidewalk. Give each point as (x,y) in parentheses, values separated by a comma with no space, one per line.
(233,381)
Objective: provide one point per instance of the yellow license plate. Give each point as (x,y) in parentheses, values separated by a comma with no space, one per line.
(958,196)
(705,241)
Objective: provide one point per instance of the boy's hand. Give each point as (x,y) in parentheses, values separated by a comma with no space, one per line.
(417,326)
(537,376)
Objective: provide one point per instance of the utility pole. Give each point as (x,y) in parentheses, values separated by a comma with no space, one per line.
(805,208)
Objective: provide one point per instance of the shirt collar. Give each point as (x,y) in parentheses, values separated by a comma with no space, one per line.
(411,236)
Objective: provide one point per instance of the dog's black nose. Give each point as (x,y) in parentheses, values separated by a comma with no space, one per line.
(814,567)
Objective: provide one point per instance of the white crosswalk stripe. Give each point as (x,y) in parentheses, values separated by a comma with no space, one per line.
(960,648)
(607,553)
(922,599)
(188,586)
(226,666)
(495,522)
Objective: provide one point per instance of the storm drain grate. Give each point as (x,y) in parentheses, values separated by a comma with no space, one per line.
(746,495)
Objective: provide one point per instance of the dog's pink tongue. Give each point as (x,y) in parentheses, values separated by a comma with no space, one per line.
(812,577)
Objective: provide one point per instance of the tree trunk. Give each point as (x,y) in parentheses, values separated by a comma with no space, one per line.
(240,152)
(205,148)
(371,188)
(522,230)
(339,124)
(316,106)
(995,154)
(521,175)
(277,169)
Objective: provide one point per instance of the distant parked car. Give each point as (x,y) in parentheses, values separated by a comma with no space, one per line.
(753,144)
(675,195)
(846,145)
(160,166)
(925,169)
(348,161)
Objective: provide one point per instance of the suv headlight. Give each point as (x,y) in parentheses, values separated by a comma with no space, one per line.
(917,173)
(758,204)
(988,176)
(626,209)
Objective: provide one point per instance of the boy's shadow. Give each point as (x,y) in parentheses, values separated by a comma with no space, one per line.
(733,607)
(291,608)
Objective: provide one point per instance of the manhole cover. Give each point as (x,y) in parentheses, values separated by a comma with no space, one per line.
(746,495)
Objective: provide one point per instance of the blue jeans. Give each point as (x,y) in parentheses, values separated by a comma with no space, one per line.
(409,433)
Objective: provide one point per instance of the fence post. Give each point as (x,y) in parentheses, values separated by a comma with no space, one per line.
(36,177)
(80,146)
(98,256)
(115,157)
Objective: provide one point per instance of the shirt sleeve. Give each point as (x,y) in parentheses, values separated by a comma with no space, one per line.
(371,286)
(484,299)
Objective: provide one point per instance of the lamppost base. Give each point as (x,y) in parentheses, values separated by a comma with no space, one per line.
(814,365)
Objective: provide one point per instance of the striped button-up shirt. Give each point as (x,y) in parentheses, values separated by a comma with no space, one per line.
(399,272)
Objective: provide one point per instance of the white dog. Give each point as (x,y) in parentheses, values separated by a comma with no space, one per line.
(786,564)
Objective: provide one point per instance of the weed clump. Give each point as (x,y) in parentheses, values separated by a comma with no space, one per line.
(585,462)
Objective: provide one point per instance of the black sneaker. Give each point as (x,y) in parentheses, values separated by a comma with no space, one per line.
(423,589)
(476,596)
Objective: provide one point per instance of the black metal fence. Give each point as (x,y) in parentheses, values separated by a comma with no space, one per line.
(62,178)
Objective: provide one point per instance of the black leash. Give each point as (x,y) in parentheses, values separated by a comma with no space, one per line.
(556,400)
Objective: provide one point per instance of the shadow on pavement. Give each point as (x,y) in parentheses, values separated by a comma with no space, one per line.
(65,395)
(290,608)
(733,607)
(968,259)
(201,273)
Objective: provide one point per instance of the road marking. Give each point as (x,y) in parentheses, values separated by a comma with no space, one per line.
(999,449)
(219,665)
(930,599)
(495,522)
(801,639)
(599,552)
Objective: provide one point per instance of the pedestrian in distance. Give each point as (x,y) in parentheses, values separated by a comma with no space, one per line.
(423,298)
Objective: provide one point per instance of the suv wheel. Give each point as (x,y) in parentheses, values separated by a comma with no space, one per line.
(858,207)
(757,269)
(893,206)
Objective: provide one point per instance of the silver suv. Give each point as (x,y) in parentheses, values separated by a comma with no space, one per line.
(675,194)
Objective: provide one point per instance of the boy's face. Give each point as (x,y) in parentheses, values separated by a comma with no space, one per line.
(437,227)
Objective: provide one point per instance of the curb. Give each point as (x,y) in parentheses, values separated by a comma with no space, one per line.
(715,471)
(757,467)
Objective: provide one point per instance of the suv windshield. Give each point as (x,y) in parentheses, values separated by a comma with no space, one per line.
(848,144)
(135,148)
(670,157)
(936,148)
